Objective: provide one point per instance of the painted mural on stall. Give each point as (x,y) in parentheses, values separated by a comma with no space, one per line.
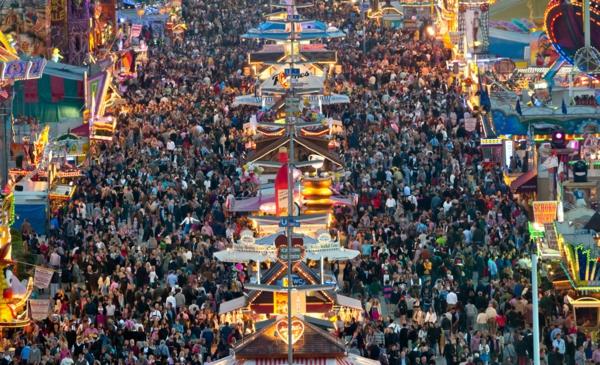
(28,23)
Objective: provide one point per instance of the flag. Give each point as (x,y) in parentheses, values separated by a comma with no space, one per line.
(564,107)
(42,277)
(518,107)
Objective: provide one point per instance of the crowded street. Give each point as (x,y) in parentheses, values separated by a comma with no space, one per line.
(444,271)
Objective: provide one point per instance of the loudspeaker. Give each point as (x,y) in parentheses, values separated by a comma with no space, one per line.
(580,171)
(19,161)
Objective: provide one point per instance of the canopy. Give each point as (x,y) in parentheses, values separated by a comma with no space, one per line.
(305,30)
(238,255)
(82,131)
(331,254)
(525,182)
(304,84)
(58,95)
(306,219)
(233,304)
(270,239)
(65,71)
(345,301)
(269,101)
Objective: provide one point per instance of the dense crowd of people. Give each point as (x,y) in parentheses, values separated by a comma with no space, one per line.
(443,273)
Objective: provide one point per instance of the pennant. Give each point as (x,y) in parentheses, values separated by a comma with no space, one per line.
(57,89)
(39,309)
(30,91)
(518,107)
(42,277)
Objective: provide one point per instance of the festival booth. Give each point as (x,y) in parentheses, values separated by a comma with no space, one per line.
(14,311)
(390,14)
(44,178)
(101,97)
(566,233)
(57,97)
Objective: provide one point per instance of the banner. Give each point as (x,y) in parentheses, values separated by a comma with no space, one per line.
(136,30)
(28,21)
(30,91)
(42,277)
(57,89)
(470,124)
(545,211)
(39,309)
(58,12)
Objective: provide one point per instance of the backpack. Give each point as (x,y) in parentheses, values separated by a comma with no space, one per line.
(446,323)
(383,358)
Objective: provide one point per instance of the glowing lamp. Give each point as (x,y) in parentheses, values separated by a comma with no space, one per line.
(558,139)
(318,161)
(430,31)
(140,12)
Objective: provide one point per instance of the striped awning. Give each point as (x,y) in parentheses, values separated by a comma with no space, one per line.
(344,361)
(350,359)
(302,361)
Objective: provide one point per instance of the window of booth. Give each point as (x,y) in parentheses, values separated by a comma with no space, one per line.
(586,317)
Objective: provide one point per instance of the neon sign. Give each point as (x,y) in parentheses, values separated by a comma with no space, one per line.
(284,80)
(281,330)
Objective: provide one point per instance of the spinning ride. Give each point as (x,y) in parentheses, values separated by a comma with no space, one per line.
(565,25)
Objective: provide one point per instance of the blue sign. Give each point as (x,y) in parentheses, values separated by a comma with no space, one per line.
(296,280)
(292,71)
(291,222)
(293,17)
(364,6)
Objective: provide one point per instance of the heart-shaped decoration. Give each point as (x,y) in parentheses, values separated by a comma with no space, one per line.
(281,330)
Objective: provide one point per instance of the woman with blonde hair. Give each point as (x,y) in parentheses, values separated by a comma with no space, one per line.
(418,317)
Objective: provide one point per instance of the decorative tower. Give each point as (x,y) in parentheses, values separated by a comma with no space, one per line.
(473,26)
(78,31)
(290,309)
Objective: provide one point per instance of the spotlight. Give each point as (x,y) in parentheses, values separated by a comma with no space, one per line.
(558,139)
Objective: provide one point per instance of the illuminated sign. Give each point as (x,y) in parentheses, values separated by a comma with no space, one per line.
(295,253)
(284,80)
(490,141)
(281,330)
(312,47)
(545,211)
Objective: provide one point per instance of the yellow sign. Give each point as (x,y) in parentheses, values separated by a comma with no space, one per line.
(58,11)
(280,303)
(545,211)
(283,80)
(490,141)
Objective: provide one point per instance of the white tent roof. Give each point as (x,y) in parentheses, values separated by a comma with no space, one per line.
(349,359)
(232,305)
(349,302)
(302,85)
(332,254)
(269,101)
(238,255)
